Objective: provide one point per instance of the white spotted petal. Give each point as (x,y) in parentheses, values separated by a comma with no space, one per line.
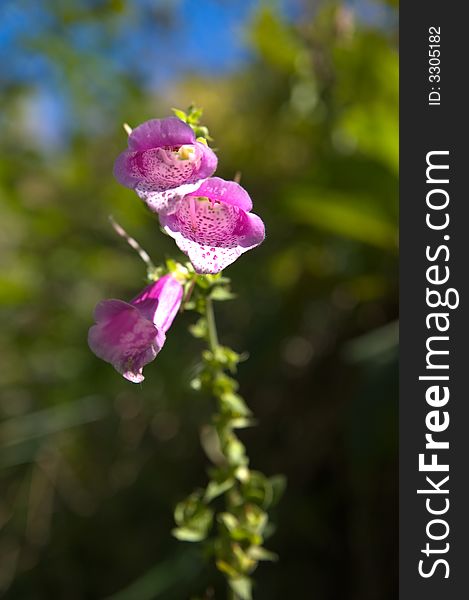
(212,227)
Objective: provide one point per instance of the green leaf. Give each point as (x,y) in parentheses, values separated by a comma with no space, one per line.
(215,489)
(257,488)
(227,569)
(279,484)
(242,473)
(223,384)
(228,520)
(234,404)
(255,518)
(171,265)
(245,563)
(203,282)
(180,114)
(199,329)
(241,534)
(260,553)
(227,358)
(221,294)
(155,273)
(242,586)
(184,534)
(235,451)
(242,423)
(193,517)
(194,113)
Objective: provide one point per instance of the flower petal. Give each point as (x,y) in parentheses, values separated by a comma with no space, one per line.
(160,301)
(163,163)
(164,202)
(157,133)
(159,168)
(213,235)
(209,162)
(226,192)
(125,171)
(123,337)
(161,178)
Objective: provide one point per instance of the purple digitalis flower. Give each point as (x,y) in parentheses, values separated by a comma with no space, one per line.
(129,335)
(213,225)
(164,162)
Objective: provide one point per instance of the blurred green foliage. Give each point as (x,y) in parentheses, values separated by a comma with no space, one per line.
(91,465)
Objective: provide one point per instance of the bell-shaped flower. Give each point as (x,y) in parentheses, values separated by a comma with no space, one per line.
(129,335)
(164,162)
(213,225)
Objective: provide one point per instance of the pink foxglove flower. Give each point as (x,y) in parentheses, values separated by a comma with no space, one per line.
(129,335)
(213,225)
(164,162)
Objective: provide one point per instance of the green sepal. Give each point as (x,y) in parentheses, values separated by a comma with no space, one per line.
(184,534)
(193,518)
(261,554)
(221,294)
(217,488)
(234,405)
(199,329)
(242,587)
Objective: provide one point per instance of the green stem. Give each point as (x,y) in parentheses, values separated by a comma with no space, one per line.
(213,345)
(211,325)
